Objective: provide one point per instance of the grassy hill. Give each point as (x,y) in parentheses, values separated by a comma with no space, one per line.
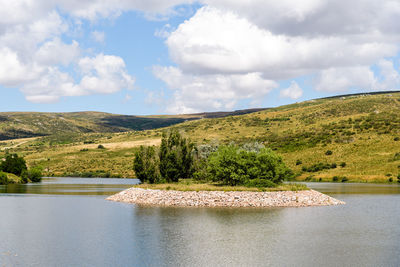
(15,125)
(354,138)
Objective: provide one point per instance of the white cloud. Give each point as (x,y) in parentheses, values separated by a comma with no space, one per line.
(98,36)
(215,41)
(35,59)
(342,79)
(390,76)
(233,49)
(294,91)
(194,93)
(336,41)
(56,52)
(102,74)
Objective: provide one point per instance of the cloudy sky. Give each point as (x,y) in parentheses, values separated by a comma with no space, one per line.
(183,56)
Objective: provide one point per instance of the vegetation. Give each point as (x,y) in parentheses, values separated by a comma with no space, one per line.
(15,166)
(229,165)
(193,185)
(360,131)
(15,125)
(232,165)
(174,160)
(3,178)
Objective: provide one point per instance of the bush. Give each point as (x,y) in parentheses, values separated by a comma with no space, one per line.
(298,162)
(344,179)
(398,178)
(396,138)
(13,164)
(328,152)
(335,179)
(233,166)
(3,178)
(101,147)
(333,166)
(260,183)
(343,164)
(33,174)
(390,180)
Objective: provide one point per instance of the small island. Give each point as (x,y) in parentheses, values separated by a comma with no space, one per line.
(217,176)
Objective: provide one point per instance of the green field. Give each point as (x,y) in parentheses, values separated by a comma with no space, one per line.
(363,131)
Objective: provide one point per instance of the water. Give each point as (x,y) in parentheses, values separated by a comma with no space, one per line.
(67,222)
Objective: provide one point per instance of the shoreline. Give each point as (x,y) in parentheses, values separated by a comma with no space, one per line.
(172,198)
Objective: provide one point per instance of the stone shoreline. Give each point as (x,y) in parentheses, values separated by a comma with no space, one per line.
(171,198)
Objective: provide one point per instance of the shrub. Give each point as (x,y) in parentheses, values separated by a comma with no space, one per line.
(260,183)
(328,152)
(390,180)
(344,179)
(333,166)
(3,178)
(396,138)
(13,164)
(398,178)
(298,162)
(101,147)
(335,179)
(232,165)
(33,174)
(343,164)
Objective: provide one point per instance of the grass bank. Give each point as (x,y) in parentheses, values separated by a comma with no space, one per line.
(190,185)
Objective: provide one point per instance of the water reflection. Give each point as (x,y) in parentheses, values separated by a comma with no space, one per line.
(355,188)
(71,186)
(50,228)
(220,237)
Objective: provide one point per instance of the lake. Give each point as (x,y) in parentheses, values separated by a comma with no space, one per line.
(67,222)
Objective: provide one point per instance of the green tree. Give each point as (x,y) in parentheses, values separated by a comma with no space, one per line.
(145,165)
(3,178)
(13,164)
(175,157)
(33,174)
(234,166)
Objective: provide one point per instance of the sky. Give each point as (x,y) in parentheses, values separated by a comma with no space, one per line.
(143,57)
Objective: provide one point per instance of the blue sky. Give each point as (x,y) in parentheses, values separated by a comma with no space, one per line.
(182,56)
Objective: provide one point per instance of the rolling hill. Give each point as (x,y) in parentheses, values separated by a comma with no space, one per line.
(345,138)
(14,125)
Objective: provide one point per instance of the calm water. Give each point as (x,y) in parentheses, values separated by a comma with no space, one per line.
(67,222)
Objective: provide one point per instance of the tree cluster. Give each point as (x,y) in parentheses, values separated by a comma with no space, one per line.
(17,165)
(251,165)
(173,160)
(13,164)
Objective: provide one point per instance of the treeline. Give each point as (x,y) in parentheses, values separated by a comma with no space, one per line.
(16,165)
(177,157)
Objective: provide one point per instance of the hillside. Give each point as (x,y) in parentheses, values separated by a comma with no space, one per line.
(355,138)
(14,125)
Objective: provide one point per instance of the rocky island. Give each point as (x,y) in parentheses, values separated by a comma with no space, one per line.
(173,198)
